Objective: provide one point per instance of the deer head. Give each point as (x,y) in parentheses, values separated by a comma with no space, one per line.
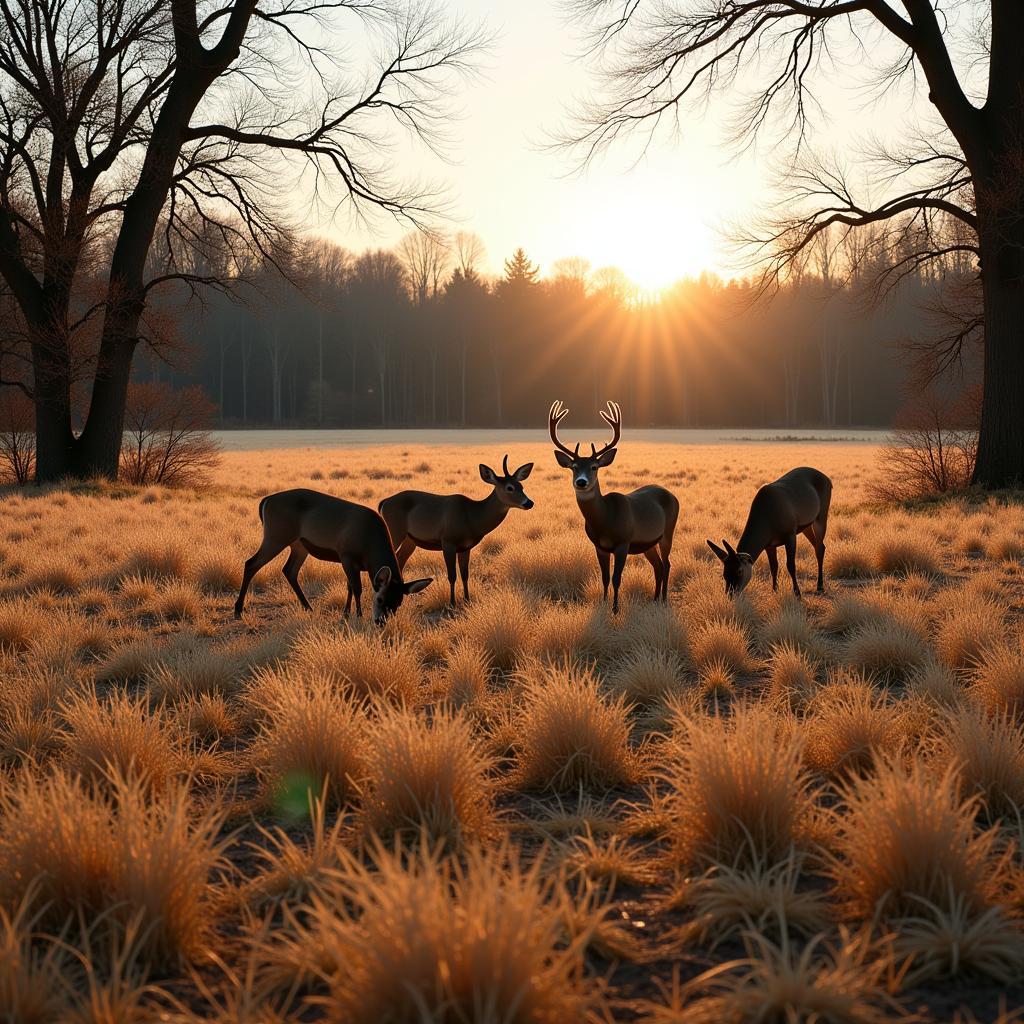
(584,467)
(737,566)
(508,487)
(389,592)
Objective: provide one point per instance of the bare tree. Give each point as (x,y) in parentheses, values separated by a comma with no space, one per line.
(968,169)
(17,439)
(125,120)
(469,252)
(426,256)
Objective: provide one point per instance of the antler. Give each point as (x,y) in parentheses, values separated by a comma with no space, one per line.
(504,465)
(556,414)
(613,417)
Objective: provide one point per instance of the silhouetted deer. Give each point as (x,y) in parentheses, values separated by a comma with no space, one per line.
(452,523)
(795,503)
(641,522)
(334,530)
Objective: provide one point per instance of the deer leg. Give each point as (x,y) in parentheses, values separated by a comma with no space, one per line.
(654,558)
(773,564)
(404,550)
(791,561)
(291,572)
(266,553)
(355,587)
(812,534)
(620,564)
(666,565)
(449,563)
(464,572)
(604,559)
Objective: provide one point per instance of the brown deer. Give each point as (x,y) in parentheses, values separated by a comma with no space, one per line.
(641,522)
(452,523)
(795,503)
(334,530)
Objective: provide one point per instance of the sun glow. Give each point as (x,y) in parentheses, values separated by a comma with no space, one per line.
(655,237)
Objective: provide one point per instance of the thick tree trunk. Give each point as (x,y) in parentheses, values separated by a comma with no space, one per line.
(98,450)
(55,441)
(1001,439)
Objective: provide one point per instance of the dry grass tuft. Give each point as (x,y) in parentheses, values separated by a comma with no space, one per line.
(119,735)
(313,735)
(908,853)
(849,726)
(569,735)
(21,624)
(721,642)
(737,789)
(968,629)
(466,674)
(900,551)
(792,677)
(368,664)
(426,779)
(433,939)
(853,981)
(647,675)
(998,681)
(885,650)
(989,750)
(502,625)
(144,864)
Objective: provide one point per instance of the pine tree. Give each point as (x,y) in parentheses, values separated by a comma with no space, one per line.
(518,269)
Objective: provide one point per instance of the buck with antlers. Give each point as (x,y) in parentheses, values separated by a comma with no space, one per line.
(639,523)
(334,530)
(452,523)
(795,503)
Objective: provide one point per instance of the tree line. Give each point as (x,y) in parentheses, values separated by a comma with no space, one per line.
(419,336)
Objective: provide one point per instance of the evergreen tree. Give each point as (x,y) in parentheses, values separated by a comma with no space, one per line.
(518,269)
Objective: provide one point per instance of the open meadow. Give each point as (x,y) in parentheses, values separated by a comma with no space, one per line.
(525,810)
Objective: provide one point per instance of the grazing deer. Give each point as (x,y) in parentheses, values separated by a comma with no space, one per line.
(641,522)
(795,503)
(453,523)
(334,530)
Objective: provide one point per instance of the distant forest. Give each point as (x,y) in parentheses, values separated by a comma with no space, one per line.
(418,337)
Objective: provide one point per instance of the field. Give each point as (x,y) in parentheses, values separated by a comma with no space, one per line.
(524,810)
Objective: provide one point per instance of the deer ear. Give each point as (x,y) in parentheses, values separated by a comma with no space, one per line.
(382,579)
(563,460)
(523,472)
(607,459)
(719,553)
(417,585)
(728,547)
(487,474)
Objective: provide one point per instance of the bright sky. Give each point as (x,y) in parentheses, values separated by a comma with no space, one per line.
(658,221)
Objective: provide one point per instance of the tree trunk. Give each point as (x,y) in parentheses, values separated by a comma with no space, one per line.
(55,441)
(1001,439)
(98,450)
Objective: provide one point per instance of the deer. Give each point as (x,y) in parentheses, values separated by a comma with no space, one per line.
(639,523)
(797,502)
(333,530)
(452,523)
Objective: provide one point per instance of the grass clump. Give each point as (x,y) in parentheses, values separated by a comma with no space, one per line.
(569,734)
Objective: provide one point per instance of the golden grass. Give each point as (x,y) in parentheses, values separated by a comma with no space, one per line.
(738,789)
(569,734)
(431,939)
(709,772)
(426,780)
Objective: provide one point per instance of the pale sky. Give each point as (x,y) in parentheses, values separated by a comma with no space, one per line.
(657,221)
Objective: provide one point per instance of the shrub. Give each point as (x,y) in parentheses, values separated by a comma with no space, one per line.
(647,675)
(17,435)
(886,650)
(723,642)
(167,439)
(569,735)
(932,448)
(968,628)
(791,677)
(466,674)
(502,625)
